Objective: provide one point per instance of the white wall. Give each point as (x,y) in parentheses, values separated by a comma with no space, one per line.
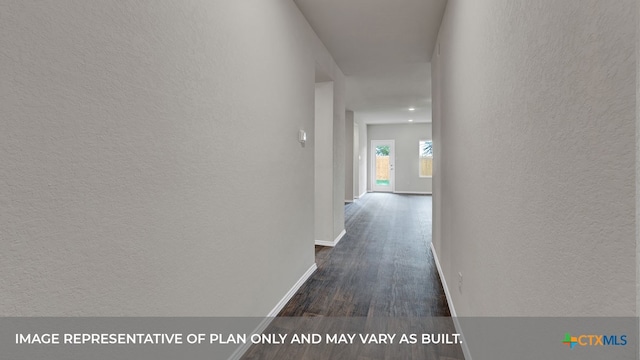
(356,160)
(534,134)
(362,156)
(339,141)
(327,66)
(348,156)
(638,162)
(407,138)
(132,180)
(323,147)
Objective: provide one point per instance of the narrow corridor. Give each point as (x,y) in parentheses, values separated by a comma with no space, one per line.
(380,278)
(382,267)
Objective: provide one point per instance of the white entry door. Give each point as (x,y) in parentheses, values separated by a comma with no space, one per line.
(382,165)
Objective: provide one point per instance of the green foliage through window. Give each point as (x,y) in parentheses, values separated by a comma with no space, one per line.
(426,148)
(382,150)
(425,158)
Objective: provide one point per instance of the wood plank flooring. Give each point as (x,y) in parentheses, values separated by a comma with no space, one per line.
(382,267)
(381,277)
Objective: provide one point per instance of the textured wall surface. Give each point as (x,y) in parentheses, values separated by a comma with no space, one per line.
(326,65)
(127,132)
(335,187)
(339,149)
(363,165)
(407,137)
(355,161)
(348,155)
(638,160)
(534,125)
(323,138)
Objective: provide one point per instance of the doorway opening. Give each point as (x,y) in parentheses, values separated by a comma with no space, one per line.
(382,165)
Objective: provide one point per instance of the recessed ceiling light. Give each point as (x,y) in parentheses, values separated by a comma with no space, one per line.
(410,120)
(411,109)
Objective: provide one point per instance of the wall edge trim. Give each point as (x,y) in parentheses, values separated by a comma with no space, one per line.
(413,192)
(452,310)
(274,312)
(331,243)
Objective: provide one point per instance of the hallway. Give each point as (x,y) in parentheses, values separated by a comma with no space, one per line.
(381,278)
(383,267)
(182,159)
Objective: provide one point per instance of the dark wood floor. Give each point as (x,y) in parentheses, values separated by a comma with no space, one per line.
(381,277)
(382,267)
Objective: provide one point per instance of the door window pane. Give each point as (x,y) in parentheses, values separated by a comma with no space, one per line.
(425,156)
(382,165)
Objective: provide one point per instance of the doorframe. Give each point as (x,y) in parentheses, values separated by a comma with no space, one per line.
(392,164)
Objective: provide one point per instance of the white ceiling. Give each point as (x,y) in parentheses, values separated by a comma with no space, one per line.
(384,48)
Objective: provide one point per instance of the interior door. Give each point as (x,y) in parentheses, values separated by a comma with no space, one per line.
(382,165)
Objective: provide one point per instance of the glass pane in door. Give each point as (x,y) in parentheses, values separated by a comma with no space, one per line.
(382,165)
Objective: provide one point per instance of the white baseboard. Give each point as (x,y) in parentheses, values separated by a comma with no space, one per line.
(331,243)
(348,201)
(325,243)
(363,194)
(452,310)
(280,305)
(274,312)
(412,192)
